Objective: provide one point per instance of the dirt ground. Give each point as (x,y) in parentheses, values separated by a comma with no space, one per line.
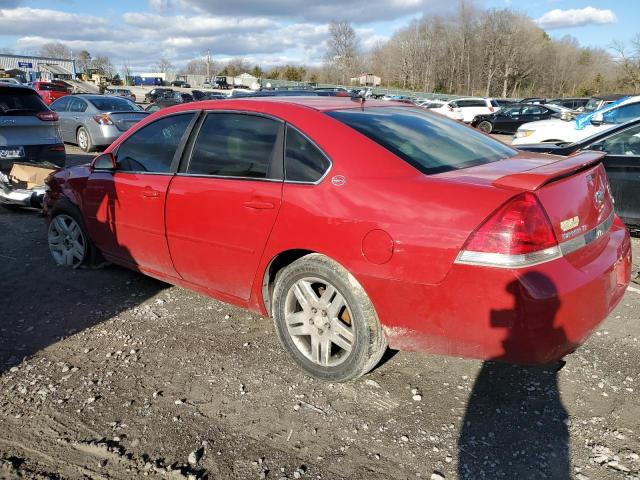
(106,373)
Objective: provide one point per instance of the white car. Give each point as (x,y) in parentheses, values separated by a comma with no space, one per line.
(556,130)
(466,109)
(11,81)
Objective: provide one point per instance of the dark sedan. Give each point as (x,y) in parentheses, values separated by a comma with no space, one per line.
(509,118)
(622,163)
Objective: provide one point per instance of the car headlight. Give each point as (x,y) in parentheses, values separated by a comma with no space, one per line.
(524,133)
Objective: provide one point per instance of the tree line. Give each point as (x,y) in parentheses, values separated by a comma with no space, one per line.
(496,52)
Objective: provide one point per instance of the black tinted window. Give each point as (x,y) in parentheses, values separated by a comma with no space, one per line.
(471,103)
(53,87)
(152,148)
(430,142)
(235,145)
(303,161)
(20,101)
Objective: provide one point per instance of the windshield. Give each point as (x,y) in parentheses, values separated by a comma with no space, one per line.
(114,104)
(430,142)
(52,86)
(592,105)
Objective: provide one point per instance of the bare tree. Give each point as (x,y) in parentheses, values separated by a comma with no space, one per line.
(629,62)
(342,50)
(84,60)
(164,65)
(55,50)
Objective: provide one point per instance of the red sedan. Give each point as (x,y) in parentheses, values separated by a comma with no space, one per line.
(49,91)
(356,227)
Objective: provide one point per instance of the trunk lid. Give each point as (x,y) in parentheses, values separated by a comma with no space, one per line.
(125,120)
(574,191)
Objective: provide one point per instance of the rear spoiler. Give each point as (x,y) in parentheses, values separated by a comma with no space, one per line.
(538,177)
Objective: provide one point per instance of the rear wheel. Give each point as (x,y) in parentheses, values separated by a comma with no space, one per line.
(84,140)
(485,126)
(325,320)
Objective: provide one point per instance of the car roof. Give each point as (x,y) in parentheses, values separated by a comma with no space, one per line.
(321,104)
(15,86)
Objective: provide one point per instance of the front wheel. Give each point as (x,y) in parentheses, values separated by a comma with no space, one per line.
(485,126)
(325,320)
(68,242)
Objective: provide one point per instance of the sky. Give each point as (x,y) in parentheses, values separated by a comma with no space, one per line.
(267,32)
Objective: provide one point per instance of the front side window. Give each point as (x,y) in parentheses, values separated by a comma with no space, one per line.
(622,114)
(152,148)
(77,105)
(626,143)
(303,161)
(61,104)
(236,145)
(510,111)
(429,142)
(533,110)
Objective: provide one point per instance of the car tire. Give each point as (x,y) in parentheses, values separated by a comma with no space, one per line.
(337,338)
(84,140)
(485,126)
(65,227)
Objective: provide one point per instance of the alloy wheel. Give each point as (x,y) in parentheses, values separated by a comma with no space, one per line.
(67,242)
(318,319)
(82,139)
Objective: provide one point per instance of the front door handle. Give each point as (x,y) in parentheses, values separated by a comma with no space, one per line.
(258,205)
(149,193)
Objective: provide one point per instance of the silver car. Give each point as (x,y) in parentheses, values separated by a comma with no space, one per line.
(121,92)
(28,129)
(95,120)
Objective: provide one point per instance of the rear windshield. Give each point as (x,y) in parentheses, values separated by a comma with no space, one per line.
(52,86)
(114,104)
(430,142)
(20,101)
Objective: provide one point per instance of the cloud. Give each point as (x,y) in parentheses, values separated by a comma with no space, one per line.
(357,11)
(67,26)
(577,17)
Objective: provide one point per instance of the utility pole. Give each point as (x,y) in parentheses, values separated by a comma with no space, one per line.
(208,65)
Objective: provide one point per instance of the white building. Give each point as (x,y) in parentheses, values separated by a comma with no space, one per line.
(36,68)
(366,80)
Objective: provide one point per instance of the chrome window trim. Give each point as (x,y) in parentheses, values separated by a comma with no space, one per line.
(297,182)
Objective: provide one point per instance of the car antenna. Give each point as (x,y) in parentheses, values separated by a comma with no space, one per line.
(359,98)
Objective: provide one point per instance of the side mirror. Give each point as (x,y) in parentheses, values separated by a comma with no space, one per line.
(597,120)
(104,162)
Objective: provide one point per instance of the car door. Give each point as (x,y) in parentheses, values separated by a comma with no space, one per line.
(508,119)
(223,204)
(531,113)
(125,208)
(76,114)
(622,164)
(61,106)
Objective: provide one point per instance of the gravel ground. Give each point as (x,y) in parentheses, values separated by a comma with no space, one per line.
(110,374)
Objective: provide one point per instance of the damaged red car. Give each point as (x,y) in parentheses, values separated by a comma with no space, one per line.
(357,226)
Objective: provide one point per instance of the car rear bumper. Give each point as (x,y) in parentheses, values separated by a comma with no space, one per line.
(102,135)
(49,155)
(529,315)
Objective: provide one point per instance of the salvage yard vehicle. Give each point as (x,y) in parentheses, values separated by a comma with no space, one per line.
(449,242)
(91,121)
(555,130)
(49,91)
(28,129)
(466,109)
(622,164)
(156,94)
(121,92)
(508,119)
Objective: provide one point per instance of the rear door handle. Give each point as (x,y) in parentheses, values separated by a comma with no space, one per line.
(258,205)
(149,193)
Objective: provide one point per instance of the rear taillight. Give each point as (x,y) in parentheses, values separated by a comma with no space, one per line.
(47,116)
(103,119)
(491,109)
(450,108)
(518,234)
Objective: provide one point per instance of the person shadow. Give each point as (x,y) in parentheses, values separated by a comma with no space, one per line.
(515,425)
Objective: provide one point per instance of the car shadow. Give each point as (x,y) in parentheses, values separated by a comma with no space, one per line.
(42,303)
(515,425)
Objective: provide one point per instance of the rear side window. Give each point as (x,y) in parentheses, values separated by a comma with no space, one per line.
(471,103)
(52,87)
(20,101)
(303,162)
(114,104)
(430,142)
(152,148)
(236,145)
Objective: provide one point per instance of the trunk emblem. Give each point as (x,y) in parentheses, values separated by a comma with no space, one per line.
(570,223)
(599,196)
